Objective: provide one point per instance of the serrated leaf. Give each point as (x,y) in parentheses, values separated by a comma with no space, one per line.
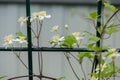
(111,7)
(69,41)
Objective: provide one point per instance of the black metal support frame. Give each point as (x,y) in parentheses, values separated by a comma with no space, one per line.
(30,65)
(30,49)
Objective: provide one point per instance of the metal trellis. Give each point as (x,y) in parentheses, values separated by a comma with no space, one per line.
(30,49)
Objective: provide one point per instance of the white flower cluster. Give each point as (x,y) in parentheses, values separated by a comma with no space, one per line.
(57,40)
(113,53)
(35,16)
(39,16)
(9,39)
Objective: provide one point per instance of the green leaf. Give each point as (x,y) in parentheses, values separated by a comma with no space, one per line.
(117,68)
(93,15)
(90,46)
(109,70)
(96,48)
(69,41)
(107,55)
(82,55)
(99,30)
(112,29)
(19,33)
(111,7)
(94,39)
(105,47)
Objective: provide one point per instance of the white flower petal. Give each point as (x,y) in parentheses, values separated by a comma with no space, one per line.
(62,39)
(48,16)
(10,42)
(41,18)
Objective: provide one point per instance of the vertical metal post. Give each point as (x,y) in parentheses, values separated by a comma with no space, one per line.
(99,9)
(29,40)
(98,44)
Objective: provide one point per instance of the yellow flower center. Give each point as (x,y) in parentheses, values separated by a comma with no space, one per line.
(55,38)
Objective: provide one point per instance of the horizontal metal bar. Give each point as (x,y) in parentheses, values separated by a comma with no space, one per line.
(50,49)
(46,49)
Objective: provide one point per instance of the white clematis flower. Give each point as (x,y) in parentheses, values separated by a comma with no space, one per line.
(113,53)
(54,28)
(8,40)
(57,40)
(22,20)
(77,36)
(39,16)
